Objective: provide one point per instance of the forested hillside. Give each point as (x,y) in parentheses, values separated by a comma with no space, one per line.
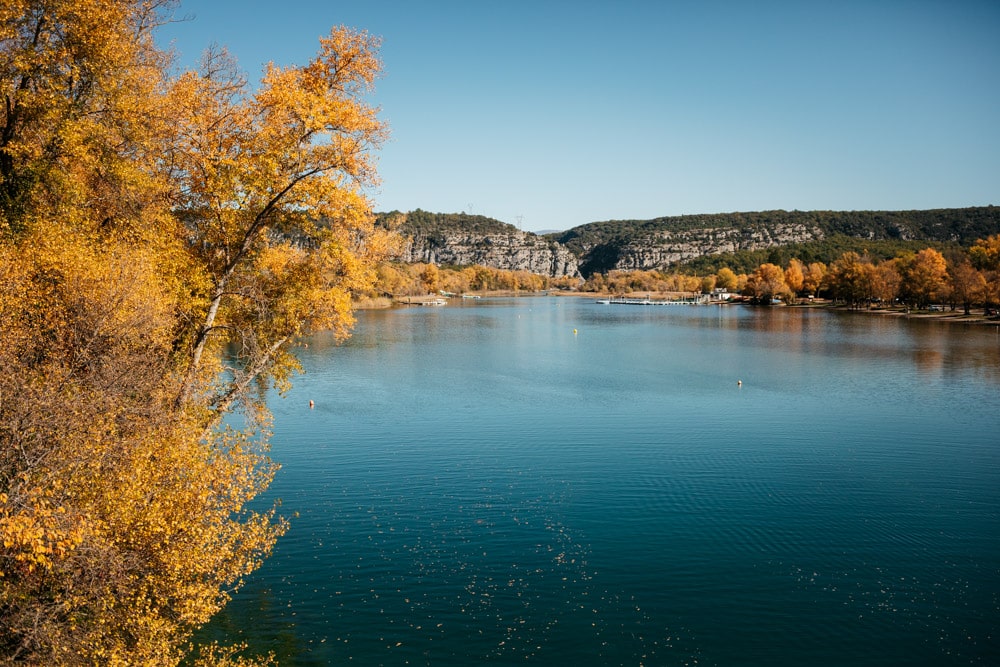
(426,223)
(746,238)
(960,225)
(695,242)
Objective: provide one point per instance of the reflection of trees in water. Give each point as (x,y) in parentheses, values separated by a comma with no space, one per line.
(949,349)
(932,347)
(928,361)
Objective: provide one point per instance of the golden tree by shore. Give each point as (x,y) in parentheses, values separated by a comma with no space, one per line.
(164,242)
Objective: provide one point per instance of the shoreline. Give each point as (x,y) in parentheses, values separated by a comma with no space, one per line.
(958,316)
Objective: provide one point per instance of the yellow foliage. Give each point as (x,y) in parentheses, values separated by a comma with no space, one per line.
(395,279)
(985,253)
(726,279)
(814,277)
(272,204)
(767,283)
(795,275)
(120,528)
(147,225)
(925,276)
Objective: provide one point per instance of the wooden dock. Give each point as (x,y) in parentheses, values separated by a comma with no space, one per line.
(687,301)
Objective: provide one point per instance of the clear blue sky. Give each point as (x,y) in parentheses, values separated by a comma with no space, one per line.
(568,112)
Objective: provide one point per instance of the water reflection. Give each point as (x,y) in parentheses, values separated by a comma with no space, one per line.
(935,347)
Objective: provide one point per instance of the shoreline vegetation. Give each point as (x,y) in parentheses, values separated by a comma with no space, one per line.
(960,285)
(166,239)
(947,314)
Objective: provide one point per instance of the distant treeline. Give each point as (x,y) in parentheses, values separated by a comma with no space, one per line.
(397,279)
(913,276)
(424,223)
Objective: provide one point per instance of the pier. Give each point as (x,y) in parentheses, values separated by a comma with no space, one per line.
(685,301)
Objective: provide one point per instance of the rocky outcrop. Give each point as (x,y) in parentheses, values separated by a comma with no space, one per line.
(461,240)
(511,250)
(661,249)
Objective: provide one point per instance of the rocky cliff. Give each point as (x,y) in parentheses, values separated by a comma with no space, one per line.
(661,249)
(512,251)
(460,239)
(663,242)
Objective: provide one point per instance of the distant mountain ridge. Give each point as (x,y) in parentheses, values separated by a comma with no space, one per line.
(668,242)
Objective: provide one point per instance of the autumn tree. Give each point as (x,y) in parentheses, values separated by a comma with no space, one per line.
(795,275)
(741,283)
(885,281)
(985,256)
(148,226)
(968,285)
(813,278)
(455,280)
(689,284)
(726,279)
(486,279)
(597,282)
(985,253)
(566,283)
(991,294)
(850,278)
(708,284)
(925,276)
(767,283)
(270,187)
(75,75)
(429,275)
(390,280)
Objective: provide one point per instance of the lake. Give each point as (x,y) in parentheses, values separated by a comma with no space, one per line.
(554,481)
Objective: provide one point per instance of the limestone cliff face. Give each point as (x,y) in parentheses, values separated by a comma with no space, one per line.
(523,251)
(463,239)
(661,249)
(512,250)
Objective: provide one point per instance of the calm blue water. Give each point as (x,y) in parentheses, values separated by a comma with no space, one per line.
(479,484)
